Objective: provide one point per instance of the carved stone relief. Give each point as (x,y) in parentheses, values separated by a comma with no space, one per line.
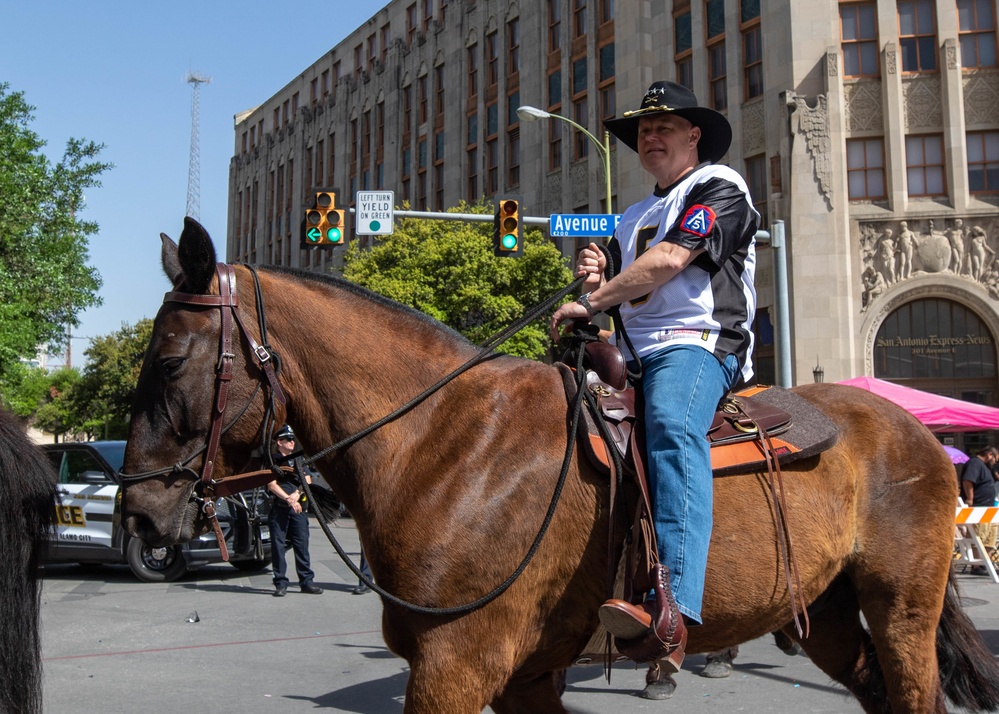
(950,51)
(894,251)
(921,99)
(832,64)
(981,99)
(864,106)
(553,193)
(753,128)
(891,58)
(813,124)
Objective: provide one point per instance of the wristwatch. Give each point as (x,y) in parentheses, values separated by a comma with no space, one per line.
(584,300)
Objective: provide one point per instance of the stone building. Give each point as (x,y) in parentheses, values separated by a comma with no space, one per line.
(871,129)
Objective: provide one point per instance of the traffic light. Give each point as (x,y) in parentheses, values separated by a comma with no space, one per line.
(324,222)
(508,231)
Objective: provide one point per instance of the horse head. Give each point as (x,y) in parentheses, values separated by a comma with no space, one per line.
(176,401)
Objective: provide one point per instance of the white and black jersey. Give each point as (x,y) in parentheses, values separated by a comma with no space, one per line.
(712,302)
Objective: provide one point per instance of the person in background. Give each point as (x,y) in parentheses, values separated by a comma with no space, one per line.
(978,488)
(288,521)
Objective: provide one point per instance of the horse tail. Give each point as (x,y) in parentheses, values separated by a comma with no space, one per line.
(27,511)
(969,672)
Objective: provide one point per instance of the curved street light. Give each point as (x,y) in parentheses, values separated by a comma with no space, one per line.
(527,113)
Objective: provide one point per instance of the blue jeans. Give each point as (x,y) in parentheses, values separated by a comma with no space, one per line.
(287,526)
(682,386)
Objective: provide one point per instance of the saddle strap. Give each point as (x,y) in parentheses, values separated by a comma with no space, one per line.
(775,482)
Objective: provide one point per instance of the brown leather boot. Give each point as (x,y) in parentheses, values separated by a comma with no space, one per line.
(652,630)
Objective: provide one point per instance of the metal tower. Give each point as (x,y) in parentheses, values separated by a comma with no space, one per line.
(194,168)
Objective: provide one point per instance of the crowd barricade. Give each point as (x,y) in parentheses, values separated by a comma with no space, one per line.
(968,548)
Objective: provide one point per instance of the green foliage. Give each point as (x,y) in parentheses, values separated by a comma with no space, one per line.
(45,282)
(102,401)
(43,397)
(55,415)
(447,270)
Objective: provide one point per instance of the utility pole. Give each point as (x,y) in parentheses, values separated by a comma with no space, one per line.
(194,166)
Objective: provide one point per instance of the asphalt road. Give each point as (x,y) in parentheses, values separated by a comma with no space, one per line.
(114,644)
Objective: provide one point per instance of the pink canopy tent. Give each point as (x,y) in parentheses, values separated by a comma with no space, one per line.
(936,412)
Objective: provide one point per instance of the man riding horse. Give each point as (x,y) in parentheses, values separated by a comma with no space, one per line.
(683,280)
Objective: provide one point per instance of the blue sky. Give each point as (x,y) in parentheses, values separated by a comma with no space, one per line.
(113,72)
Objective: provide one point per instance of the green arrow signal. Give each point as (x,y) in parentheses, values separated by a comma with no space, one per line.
(313,235)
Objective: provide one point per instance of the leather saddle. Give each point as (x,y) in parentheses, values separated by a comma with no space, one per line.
(736,434)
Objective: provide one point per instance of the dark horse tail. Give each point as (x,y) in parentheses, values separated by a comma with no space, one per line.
(27,510)
(969,672)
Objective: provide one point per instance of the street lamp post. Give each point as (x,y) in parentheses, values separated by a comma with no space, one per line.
(527,113)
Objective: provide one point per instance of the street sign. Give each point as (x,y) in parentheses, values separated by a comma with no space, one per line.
(582,225)
(374,213)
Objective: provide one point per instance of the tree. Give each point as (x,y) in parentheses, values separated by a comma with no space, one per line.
(102,400)
(447,270)
(45,282)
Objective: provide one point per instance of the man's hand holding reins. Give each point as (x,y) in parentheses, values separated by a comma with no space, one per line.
(591,263)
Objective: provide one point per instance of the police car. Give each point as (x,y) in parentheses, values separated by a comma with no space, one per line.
(88,520)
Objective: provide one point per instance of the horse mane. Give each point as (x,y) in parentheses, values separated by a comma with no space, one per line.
(339,283)
(27,501)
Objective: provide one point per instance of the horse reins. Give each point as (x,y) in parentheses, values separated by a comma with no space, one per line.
(228,301)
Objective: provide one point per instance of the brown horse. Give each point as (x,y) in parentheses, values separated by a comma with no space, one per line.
(449,496)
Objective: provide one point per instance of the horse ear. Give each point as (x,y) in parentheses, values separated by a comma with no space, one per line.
(171,263)
(197,256)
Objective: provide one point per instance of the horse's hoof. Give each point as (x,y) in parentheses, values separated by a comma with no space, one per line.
(716,669)
(662,689)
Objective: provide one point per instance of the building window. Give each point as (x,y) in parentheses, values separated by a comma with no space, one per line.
(579,76)
(421,174)
(320,162)
(358,60)
(554,25)
(756,179)
(422,98)
(859,29)
(924,165)
(439,187)
(492,60)
(865,166)
(683,42)
(472,179)
(428,14)
(752,59)
(407,109)
(492,159)
(313,91)
(717,73)
(554,145)
(606,11)
(439,79)
(983,161)
(473,70)
(325,83)
(977,33)
(372,51)
(917,35)
(472,128)
(442,13)
(513,158)
(410,24)
(752,49)
(385,37)
(578,18)
(554,90)
(513,46)
(605,83)
(330,164)
(512,102)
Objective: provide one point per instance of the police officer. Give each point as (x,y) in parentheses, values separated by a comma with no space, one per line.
(288,522)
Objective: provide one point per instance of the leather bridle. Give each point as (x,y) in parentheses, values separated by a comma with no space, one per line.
(227,301)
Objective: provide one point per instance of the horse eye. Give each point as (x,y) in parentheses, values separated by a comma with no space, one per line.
(170,366)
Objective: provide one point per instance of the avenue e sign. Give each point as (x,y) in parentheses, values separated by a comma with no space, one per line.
(582,225)
(374,213)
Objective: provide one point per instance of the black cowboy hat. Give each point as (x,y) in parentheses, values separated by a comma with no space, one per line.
(673,98)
